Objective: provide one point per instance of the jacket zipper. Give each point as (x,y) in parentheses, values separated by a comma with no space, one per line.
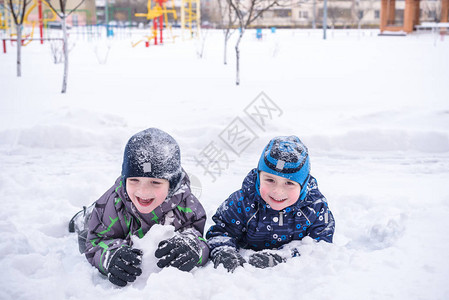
(252,217)
(305,215)
(281,218)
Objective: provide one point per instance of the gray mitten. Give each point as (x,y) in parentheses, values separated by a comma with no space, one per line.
(229,257)
(265,260)
(181,251)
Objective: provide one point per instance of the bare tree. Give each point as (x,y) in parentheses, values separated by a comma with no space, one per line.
(247,11)
(228,21)
(338,16)
(432,10)
(17,9)
(201,42)
(333,13)
(357,13)
(63,14)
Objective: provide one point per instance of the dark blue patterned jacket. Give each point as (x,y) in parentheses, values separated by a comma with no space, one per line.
(245,221)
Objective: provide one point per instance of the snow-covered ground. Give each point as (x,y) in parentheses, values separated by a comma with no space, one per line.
(374,112)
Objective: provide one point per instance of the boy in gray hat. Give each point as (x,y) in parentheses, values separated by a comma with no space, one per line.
(279,202)
(152,189)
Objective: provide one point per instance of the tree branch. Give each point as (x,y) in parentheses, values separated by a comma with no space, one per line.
(79,4)
(237,11)
(62,5)
(23,11)
(52,8)
(13,12)
(275,3)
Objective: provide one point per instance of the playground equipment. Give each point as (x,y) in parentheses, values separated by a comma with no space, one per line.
(49,16)
(191,17)
(54,16)
(37,3)
(126,10)
(411,15)
(157,13)
(26,20)
(27,38)
(3,18)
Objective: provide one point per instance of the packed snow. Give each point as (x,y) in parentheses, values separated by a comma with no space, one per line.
(372,110)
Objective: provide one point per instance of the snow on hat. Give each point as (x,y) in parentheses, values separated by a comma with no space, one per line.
(152,153)
(288,157)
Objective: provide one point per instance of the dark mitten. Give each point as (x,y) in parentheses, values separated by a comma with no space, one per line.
(123,267)
(229,257)
(181,251)
(264,260)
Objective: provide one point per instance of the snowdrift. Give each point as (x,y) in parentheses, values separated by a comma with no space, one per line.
(379,150)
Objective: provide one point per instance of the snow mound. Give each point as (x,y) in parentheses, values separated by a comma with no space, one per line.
(49,136)
(148,244)
(381,235)
(377,136)
(379,140)
(68,128)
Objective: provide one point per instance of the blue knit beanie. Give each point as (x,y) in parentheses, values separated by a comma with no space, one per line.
(288,157)
(152,153)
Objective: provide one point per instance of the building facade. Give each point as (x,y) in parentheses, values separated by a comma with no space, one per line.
(340,13)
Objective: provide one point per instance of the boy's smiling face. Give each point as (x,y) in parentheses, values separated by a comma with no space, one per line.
(277,191)
(146,193)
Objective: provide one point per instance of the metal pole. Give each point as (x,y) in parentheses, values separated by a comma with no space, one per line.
(106,11)
(41,28)
(161,27)
(324,19)
(155,30)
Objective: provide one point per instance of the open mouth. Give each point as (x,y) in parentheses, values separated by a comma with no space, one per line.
(145,202)
(278,200)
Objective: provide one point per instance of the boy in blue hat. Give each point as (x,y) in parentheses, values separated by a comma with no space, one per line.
(279,202)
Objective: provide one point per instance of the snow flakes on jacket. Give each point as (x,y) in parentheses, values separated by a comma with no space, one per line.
(244,220)
(115,219)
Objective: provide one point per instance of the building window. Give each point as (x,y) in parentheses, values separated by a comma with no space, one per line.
(75,20)
(360,14)
(282,13)
(376,14)
(303,14)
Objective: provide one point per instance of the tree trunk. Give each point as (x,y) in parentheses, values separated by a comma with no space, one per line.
(66,54)
(237,55)
(19,50)
(226,38)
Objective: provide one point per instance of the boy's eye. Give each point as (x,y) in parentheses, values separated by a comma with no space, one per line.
(157,182)
(269,180)
(133,179)
(292,184)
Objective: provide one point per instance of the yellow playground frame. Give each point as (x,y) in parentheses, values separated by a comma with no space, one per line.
(190,13)
(6,19)
(155,13)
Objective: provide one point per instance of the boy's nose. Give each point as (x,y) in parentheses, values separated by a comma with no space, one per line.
(277,190)
(145,191)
